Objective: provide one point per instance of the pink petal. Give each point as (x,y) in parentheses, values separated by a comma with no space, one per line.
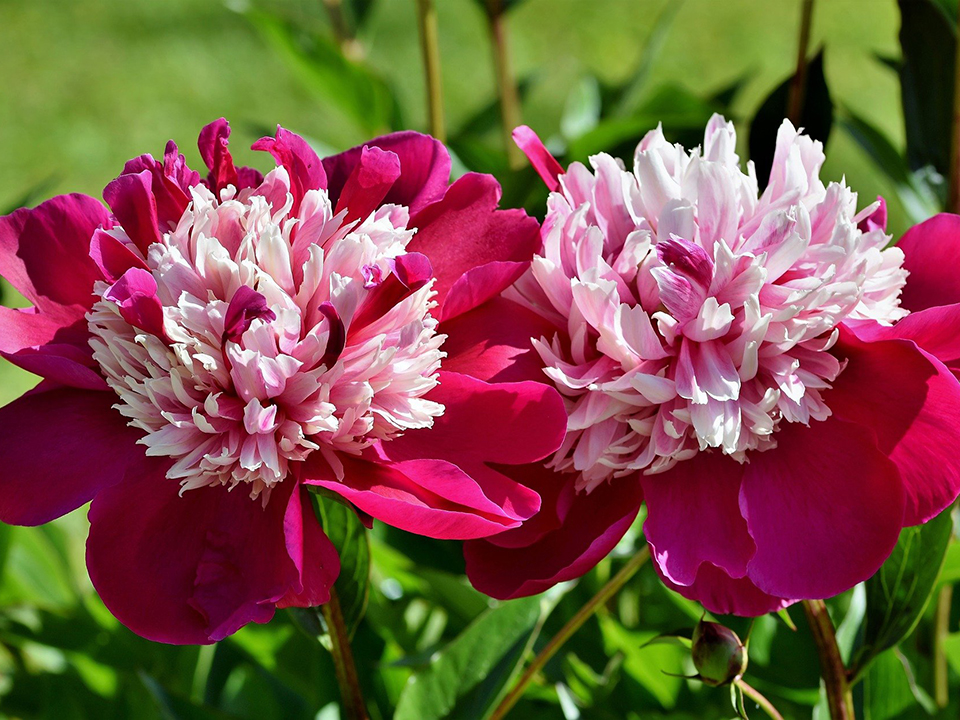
(246,306)
(45,252)
(171,182)
(825,509)
(493,342)
(311,551)
(368,184)
(465,230)
(424,168)
(543,162)
(410,273)
(135,294)
(132,201)
(190,569)
(931,250)
(590,529)
(480,284)
(693,517)
(877,220)
(723,595)
(301,162)
(911,402)
(427,497)
(60,447)
(112,256)
(935,330)
(213,144)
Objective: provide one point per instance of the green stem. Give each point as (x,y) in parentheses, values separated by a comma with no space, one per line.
(346,671)
(760,700)
(556,642)
(506,86)
(941,689)
(427,18)
(835,677)
(953,199)
(798,86)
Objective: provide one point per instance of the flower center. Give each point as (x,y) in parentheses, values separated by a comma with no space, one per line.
(252,336)
(698,315)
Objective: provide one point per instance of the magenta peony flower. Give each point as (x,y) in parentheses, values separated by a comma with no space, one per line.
(729,357)
(209,347)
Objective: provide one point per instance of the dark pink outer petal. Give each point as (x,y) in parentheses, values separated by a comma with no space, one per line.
(132,201)
(214,143)
(424,169)
(311,551)
(427,497)
(912,404)
(464,231)
(825,508)
(369,183)
(301,162)
(590,528)
(931,250)
(171,182)
(721,594)
(693,517)
(543,162)
(196,568)
(493,342)
(480,284)
(60,448)
(45,252)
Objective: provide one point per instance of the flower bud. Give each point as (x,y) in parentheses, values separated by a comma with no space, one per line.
(718,654)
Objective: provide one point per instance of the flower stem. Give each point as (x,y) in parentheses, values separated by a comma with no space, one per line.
(760,700)
(798,86)
(835,677)
(506,86)
(353,705)
(941,690)
(427,18)
(953,199)
(556,642)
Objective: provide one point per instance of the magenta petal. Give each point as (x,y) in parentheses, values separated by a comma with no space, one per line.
(246,306)
(311,551)
(214,144)
(543,162)
(171,182)
(369,183)
(410,273)
(480,284)
(45,251)
(301,162)
(825,508)
(135,294)
(424,169)
(721,594)
(190,569)
(912,404)
(112,256)
(427,497)
(493,342)
(465,230)
(63,363)
(931,250)
(877,220)
(131,199)
(590,529)
(693,517)
(60,448)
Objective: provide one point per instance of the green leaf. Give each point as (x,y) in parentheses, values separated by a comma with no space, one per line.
(816,117)
(917,197)
(465,678)
(901,589)
(657,667)
(890,689)
(346,532)
(582,110)
(928,42)
(349,86)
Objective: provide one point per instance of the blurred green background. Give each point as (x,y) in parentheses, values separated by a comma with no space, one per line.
(87,84)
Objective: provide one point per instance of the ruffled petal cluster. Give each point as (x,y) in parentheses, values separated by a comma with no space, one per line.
(211,347)
(731,358)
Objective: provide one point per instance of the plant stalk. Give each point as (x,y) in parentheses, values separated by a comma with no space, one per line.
(941,688)
(429,43)
(953,199)
(506,85)
(566,632)
(760,700)
(346,671)
(835,677)
(798,86)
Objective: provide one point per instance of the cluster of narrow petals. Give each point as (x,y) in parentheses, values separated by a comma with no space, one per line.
(211,347)
(732,358)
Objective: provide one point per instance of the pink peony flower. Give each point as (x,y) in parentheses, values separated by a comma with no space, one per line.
(732,358)
(212,347)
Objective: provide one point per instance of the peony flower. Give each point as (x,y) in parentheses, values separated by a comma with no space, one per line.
(731,358)
(212,347)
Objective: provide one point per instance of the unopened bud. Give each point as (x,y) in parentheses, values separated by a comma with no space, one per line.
(718,654)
